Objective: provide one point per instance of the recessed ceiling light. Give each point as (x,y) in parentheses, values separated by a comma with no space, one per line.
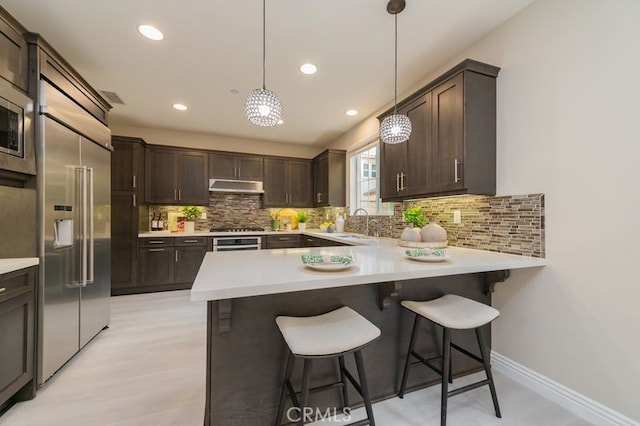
(151,32)
(308,68)
(180,107)
(280,121)
(352,112)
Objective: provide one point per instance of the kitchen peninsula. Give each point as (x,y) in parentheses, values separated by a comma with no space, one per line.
(247,290)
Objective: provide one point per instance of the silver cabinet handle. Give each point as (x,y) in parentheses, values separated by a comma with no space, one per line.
(156,242)
(156,249)
(3,289)
(189,241)
(455,170)
(176,256)
(179,194)
(134,181)
(397,182)
(134,200)
(403,184)
(318,197)
(175,193)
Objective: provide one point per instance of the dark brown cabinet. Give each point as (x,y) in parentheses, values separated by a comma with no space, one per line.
(128,216)
(329,179)
(13,52)
(287,182)
(283,241)
(170,263)
(452,148)
(226,165)
(309,241)
(176,177)
(17,328)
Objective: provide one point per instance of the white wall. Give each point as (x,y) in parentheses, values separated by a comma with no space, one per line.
(569,127)
(215,142)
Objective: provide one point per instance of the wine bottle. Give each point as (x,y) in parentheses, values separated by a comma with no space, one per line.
(160,223)
(154,223)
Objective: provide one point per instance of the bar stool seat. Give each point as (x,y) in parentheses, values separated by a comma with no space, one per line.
(338,331)
(451,312)
(331,335)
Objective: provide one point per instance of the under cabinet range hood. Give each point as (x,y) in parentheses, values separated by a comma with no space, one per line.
(237,186)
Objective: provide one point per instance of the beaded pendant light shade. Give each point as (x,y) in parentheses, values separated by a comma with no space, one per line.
(395,128)
(262,107)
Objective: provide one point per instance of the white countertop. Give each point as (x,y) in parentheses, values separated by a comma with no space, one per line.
(226,275)
(15,264)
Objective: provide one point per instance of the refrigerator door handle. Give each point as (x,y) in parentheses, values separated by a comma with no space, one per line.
(91,260)
(83,225)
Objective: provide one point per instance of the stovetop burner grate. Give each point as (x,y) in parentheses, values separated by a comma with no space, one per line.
(239,229)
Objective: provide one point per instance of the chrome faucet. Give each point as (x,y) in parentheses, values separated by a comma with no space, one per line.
(366,231)
(377,231)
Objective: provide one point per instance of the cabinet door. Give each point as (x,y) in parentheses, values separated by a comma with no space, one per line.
(188,260)
(300,183)
(321,181)
(16,356)
(160,184)
(222,166)
(417,179)
(156,266)
(192,178)
(14,58)
(448,136)
(275,182)
(249,167)
(283,241)
(393,162)
(124,250)
(122,167)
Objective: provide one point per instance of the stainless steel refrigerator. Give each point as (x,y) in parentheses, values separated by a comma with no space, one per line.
(74,184)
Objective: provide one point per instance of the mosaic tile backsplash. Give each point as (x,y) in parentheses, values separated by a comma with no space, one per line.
(507,224)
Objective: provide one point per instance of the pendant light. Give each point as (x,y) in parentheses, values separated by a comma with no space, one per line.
(395,128)
(262,107)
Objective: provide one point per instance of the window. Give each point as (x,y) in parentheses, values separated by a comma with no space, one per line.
(364,182)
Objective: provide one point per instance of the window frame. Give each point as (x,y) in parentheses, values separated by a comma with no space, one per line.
(352,204)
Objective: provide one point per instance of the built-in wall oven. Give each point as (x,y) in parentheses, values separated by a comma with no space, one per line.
(237,243)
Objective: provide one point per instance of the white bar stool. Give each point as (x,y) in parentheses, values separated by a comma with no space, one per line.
(452,312)
(331,335)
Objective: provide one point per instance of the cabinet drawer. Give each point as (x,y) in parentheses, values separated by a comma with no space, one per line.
(156,242)
(283,241)
(15,283)
(190,241)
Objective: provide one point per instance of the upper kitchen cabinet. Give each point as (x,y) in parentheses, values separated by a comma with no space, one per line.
(175,176)
(14,56)
(225,165)
(329,179)
(127,161)
(452,148)
(287,182)
(404,166)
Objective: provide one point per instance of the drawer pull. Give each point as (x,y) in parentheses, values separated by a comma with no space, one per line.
(283,239)
(156,242)
(3,289)
(190,241)
(156,249)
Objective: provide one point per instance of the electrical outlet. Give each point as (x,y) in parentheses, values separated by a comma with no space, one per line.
(203,215)
(457,217)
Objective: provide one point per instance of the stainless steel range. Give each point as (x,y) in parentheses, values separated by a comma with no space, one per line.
(239,242)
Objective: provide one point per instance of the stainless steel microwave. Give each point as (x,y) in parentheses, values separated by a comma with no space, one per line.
(11,128)
(16,130)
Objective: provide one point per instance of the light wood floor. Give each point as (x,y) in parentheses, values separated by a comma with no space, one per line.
(148,369)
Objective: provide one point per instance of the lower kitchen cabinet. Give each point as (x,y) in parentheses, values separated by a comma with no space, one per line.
(309,241)
(283,241)
(169,263)
(17,334)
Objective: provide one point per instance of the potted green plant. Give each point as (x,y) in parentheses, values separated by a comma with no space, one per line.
(416,220)
(303,218)
(191,213)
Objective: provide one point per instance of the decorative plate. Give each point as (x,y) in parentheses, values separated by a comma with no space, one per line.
(327,262)
(427,255)
(419,244)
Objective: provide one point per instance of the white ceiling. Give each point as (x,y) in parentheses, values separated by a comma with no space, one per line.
(212,47)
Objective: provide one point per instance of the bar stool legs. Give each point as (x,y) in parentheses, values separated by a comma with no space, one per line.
(451,312)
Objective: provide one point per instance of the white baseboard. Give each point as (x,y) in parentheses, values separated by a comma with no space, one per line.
(573,401)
